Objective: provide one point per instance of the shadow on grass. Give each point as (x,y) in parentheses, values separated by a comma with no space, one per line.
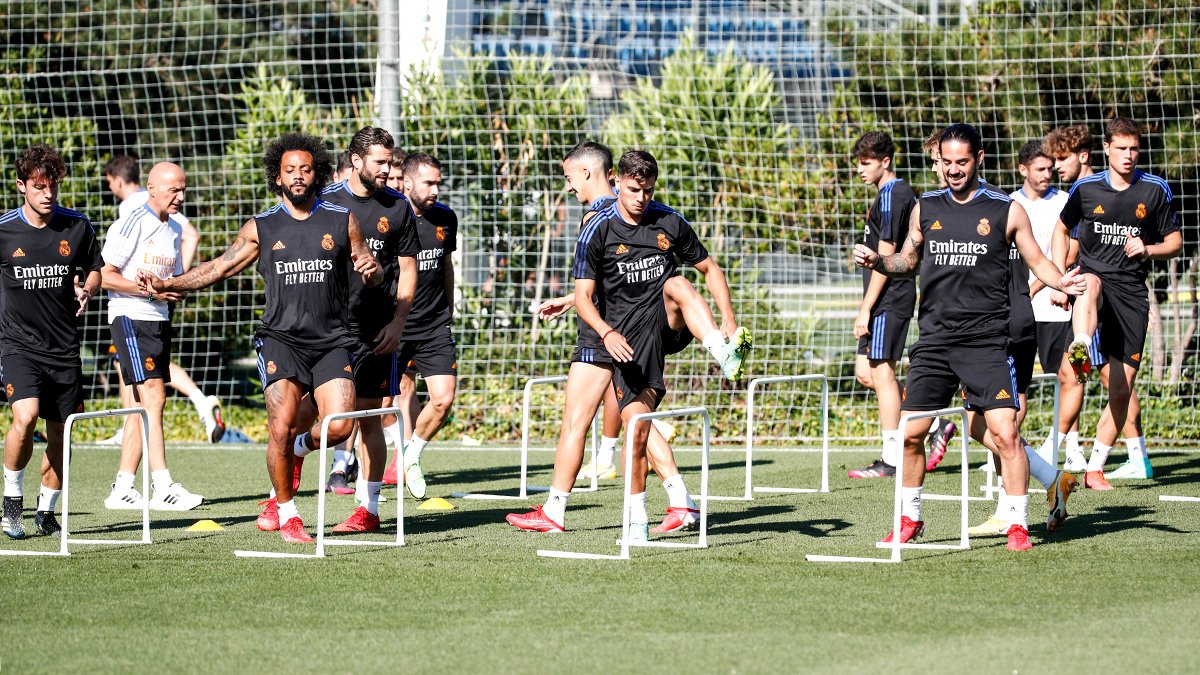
(1108,520)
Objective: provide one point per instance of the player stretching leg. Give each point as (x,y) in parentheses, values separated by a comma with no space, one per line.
(959,237)
(1121,218)
(304,247)
(44,250)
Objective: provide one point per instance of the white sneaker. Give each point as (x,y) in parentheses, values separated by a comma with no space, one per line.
(1075,461)
(639,532)
(214,425)
(175,498)
(115,439)
(666,429)
(130,500)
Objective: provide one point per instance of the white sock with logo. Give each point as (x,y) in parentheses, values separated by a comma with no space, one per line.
(374,487)
(1099,456)
(555,507)
(47,499)
(910,503)
(715,343)
(1136,448)
(891,447)
(1018,510)
(608,449)
(12,482)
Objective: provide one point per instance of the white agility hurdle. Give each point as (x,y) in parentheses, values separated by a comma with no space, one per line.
(524,488)
(624,542)
(65,538)
(750,391)
(992,487)
(895,545)
(1177,498)
(323,487)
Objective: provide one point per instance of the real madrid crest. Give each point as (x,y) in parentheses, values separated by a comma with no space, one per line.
(327,242)
(663,242)
(984,227)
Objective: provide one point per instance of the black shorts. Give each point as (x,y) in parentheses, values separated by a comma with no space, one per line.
(675,341)
(644,372)
(312,368)
(984,371)
(1123,319)
(590,350)
(1053,338)
(432,355)
(1023,353)
(376,376)
(143,349)
(57,386)
(886,340)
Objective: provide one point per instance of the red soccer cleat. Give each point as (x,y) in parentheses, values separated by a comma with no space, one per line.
(938,442)
(298,466)
(909,529)
(392,476)
(361,520)
(293,532)
(678,518)
(1018,538)
(268,520)
(1095,480)
(534,521)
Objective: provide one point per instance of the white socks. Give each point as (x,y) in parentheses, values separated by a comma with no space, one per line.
(910,503)
(608,448)
(714,342)
(393,436)
(677,493)
(124,481)
(12,482)
(301,449)
(199,402)
(1099,456)
(340,459)
(1040,469)
(412,451)
(1001,505)
(161,479)
(555,507)
(373,489)
(1073,442)
(637,511)
(1136,448)
(1047,451)
(47,499)
(287,511)
(891,447)
(1017,511)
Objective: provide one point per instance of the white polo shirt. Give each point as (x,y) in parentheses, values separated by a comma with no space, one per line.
(1043,216)
(141,241)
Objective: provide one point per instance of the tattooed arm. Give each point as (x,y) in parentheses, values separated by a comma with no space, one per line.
(236,258)
(903,263)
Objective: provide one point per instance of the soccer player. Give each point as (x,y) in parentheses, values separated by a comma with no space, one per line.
(1042,203)
(304,247)
(124,180)
(629,250)
(960,238)
(427,341)
(345,167)
(881,326)
(44,250)
(1122,218)
(377,314)
(147,239)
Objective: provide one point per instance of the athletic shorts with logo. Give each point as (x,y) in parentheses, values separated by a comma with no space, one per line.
(376,375)
(586,351)
(435,354)
(1023,354)
(1122,321)
(57,386)
(1053,338)
(277,360)
(143,349)
(886,340)
(983,370)
(645,371)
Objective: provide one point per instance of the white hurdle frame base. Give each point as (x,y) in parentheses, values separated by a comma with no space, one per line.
(1177,498)
(525,489)
(895,545)
(750,488)
(322,487)
(624,541)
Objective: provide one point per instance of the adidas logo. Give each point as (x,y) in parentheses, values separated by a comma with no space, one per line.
(278,246)
(1003,396)
(621,248)
(18,253)
(937,225)
(1099,210)
(1137,358)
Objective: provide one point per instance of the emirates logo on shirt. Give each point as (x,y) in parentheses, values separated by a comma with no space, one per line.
(278,246)
(984,227)
(327,242)
(622,248)
(383,225)
(937,225)
(64,248)
(1099,210)
(663,242)
(441,233)
(1140,212)
(18,253)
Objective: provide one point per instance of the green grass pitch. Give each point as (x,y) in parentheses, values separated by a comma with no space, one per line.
(1115,590)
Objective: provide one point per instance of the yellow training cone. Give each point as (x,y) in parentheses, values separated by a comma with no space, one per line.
(435,504)
(205,526)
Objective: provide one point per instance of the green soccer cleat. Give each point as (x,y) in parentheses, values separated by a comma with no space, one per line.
(1080,360)
(734,362)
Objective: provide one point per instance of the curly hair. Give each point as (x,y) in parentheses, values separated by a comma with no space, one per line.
(41,160)
(1068,140)
(276,149)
